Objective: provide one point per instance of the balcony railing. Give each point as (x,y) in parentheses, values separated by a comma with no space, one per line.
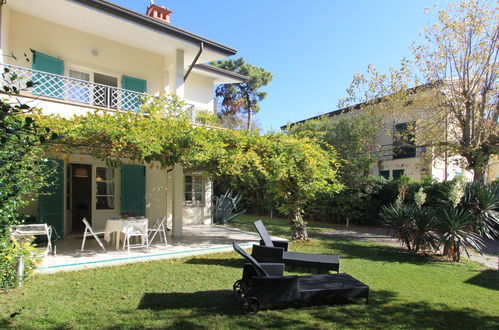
(80,91)
(76,90)
(389,151)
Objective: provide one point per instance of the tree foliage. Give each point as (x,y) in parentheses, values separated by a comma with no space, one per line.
(352,136)
(461,49)
(23,171)
(292,169)
(246,96)
(457,62)
(22,168)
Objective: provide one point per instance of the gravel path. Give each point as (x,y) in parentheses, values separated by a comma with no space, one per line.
(490,258)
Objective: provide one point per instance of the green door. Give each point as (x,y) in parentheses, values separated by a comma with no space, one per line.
(133,189)
(44,84)
(51,201)
(130,100)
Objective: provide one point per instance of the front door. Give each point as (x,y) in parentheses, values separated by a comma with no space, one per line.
(80,195)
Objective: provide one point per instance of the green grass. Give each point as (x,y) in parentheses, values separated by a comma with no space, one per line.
(407,291)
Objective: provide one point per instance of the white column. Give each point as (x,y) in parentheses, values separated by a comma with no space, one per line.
(177,200)
(179,73)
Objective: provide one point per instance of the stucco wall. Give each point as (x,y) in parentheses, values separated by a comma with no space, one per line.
(199,91)
(22,33)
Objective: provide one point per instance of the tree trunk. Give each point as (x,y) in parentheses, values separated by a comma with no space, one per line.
(479,175)
(248,125)
(298,227)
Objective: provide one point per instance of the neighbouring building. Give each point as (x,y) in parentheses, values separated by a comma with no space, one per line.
(398,155)
(88,54)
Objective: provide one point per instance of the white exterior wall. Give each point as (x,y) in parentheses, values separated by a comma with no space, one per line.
(75,47)
(158,196)
(199,91)
(201,213)
(163,72)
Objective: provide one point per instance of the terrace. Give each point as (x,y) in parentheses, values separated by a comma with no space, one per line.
(80,93)
(196,240)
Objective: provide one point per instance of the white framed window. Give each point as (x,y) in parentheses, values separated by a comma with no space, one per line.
(79,90)
(104,185)
(194,189)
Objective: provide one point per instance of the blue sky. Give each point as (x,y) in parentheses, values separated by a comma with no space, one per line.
(312,48)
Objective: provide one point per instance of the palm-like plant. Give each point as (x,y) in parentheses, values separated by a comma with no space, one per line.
(453,226)
(482,202)
(423,225)
(397,218)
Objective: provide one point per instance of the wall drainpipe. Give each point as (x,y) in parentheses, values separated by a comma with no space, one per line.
(201,47)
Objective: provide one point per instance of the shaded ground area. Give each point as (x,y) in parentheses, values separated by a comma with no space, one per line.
(490,256)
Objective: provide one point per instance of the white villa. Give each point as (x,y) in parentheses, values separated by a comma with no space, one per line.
(93,54)
(397,153)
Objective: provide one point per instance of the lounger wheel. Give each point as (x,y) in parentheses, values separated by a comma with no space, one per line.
(238,289)
(250,305)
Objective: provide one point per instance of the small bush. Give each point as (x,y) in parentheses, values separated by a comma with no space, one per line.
(10,253)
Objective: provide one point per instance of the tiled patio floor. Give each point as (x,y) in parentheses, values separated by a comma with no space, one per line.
(198,239)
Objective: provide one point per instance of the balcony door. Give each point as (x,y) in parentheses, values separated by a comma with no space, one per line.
(105,94)
(79,88)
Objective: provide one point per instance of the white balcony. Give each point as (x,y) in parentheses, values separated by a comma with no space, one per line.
(48,86)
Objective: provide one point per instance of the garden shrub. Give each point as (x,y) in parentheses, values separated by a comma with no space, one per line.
(455,215)
(22,170)
(10,253)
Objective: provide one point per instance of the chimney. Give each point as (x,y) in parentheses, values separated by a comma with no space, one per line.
(158,12)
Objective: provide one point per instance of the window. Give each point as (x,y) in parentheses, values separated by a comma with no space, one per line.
(403,141)
(385,174)
(104,181)
(397,174)
(194,189)
(79,90)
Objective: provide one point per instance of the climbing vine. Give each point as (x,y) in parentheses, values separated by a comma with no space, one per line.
(292,169)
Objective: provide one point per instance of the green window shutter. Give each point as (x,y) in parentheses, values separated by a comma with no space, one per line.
(397,174)
(385,174)
(48,85)
(131,101)
(51,200)
(133,189)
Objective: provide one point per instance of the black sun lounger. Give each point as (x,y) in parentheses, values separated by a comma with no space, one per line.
(264,285)
(276,251)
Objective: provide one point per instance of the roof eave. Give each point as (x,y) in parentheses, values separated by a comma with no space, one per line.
(114,9)
(223,72)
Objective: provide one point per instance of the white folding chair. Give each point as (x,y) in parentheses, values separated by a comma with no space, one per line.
(136,228)
(158,227)
(90,232)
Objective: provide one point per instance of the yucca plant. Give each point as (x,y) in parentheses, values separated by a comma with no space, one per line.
(422,231)
(224,205)
(454,227)
(397,218)
(482,201)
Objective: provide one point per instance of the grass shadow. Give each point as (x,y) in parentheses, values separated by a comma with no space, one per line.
(217,301)
(383,310)
(376,252)
(234,262)
(488,279)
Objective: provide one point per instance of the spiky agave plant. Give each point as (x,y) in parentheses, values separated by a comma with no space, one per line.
(454,227)
(224,205)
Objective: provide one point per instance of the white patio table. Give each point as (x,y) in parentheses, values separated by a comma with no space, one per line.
(118,226)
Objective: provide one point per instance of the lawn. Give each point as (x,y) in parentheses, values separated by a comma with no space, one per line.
(407,291)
